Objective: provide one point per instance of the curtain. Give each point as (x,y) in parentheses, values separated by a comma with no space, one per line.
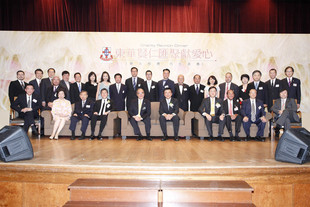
(205,16)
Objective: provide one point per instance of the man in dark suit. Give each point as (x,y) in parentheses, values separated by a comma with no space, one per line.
(118,93)
(27,105)
(132,84)
(292,85)
(37,81)
(150,87)
(168,111)
(165,83)
(212,110)
(228,85)
(259,86)
(18,86)
(45,84)
(273,87)
(76,88)
(65,83)
(286,111)
(52,92)
(102,108)
(140,110)
(233,114)
(82,112)
(196,93)
(182,93)
(253,111)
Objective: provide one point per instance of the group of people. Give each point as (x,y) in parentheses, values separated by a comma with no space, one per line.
(218,103)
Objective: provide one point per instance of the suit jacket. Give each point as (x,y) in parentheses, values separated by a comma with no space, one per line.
(21,103)
(145,108)
(168,84)
(182,99)
(206,106)
(262,91)
(45,84)
(290,105)
(118,98)
(233,87)
(246,108)
(15,88)
(37,88)
(194,98)
(64,85)
(173,108)
(294,91)
(51,95)
(236,107)
(153,94)
(75,93)
(273,91)
(131,92)
(97,105)
(87,109)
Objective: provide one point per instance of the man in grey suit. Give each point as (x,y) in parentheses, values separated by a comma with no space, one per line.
(65,83)
(228,85)
(285,110)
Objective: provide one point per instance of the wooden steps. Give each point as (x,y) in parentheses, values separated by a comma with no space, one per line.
(149,193)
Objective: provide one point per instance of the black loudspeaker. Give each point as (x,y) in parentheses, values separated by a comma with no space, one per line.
(14,144)
(293,146)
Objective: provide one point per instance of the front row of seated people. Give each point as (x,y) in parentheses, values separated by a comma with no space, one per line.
(212,108)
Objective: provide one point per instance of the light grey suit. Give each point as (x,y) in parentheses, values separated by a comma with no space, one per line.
(289,114)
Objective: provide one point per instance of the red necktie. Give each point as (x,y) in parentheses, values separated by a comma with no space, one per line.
(230,109)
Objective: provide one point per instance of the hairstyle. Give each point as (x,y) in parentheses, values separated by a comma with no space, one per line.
(133,68)
(257,71)
(282,89)
(273,69)
(77,73)
(62,91)
(229,73)
(90,74)
(288,67)
(38,70)
(245,76)
(104,89)
(105,72)
(148,71)
(230,90)
(20,71)
(167,89)
(140,89)
(83,92)
(214,78)
(29,85)
(196,75)
(51,69)
(212,87)
(166,69)
(118,74)
(65,72)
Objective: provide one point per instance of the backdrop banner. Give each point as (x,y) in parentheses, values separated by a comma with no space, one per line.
(183,53)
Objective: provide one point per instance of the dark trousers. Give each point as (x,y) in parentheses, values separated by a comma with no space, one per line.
(237,121)
(76,119)
(103,120)
(215,119)
(260,125)
(176,124)
(136,129)
(28,119)
(286,118)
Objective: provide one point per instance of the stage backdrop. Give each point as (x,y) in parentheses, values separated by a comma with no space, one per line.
(182,53)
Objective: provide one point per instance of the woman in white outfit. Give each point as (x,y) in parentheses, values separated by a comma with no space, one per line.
(104,83)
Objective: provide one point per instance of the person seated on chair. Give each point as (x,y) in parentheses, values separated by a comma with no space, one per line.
(168,111)
(140,110)
(286,111)
(61,112)
(233,114)
(52,91)
(27,106)
(102,108)
(82,112)
(212,110)
(253,111)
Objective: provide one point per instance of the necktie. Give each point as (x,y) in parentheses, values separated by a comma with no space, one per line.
(23,85)
(79,85)
(117,88)
(256,85)
(39,83)
(139,107)
(149,86)
(225,96)
(168,104)
(283,105)
(230,108)
(164,82)
(55,88)
(272,83)
(289,82)
(134,83)
(181,89)
(102,108)
(83,104)
(28,102)
(253,113)
(197,89)
(212,111)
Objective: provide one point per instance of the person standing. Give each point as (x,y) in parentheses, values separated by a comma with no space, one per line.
(259,86)
(132,84)
(118,93)
(196,93)
(105,82)
(18,86)
(76,88)
(165,83)
(273,87)
(182,93)
(150,87)
(292,85)
(45,84)
(228,85)
(91,86)
(37,81)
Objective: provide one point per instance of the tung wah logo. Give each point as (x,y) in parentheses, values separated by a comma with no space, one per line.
(106,54)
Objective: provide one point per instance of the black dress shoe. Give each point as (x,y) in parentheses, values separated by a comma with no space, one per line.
(176,138)
(34,131)
(139,138)
(258,138)
(100,138)
(231,138)
(237,138)
(149,138)
(73,136)
(247,138)
(211,138)
(92,137)
(220,138)
(82,136)
(164,138)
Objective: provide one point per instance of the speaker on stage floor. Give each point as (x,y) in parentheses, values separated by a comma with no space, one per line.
(293,146)
(14,144)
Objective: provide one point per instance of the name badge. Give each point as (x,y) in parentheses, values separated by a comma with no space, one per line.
(143,108)
(295,84)
(139,85)
(259,107)
(217,105)
(185,89)
(108,105)
(166,86)
(153,87)
(123,91)
(87,106)
(236,108)
(201,91)
(260,88)
(277,85)
(34,100)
